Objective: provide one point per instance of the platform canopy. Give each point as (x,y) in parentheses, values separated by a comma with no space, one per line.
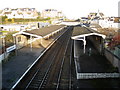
(42,32)
(26,33)
(80,32)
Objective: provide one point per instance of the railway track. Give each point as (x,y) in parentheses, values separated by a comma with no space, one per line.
(55,74)
(53,69)
(65,75)
(48,72)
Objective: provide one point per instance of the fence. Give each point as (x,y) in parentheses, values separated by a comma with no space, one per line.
(6,54)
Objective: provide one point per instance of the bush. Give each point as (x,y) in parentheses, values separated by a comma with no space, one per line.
(9,20)
(9,39)
(3,18)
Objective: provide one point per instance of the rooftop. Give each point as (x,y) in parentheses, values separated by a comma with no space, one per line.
(45,31)
(82,30)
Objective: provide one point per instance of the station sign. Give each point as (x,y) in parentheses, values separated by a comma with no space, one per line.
(9,49)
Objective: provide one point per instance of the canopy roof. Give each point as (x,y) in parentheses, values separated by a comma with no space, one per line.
(42,32)
(79,32)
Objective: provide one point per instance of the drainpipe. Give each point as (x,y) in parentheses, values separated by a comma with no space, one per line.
(84,44)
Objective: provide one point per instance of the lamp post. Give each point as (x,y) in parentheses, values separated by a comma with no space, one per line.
(84,41)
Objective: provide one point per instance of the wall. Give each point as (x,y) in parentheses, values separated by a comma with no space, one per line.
(3,56)
(21,41)
(14,27)
(96,41)
(115,61)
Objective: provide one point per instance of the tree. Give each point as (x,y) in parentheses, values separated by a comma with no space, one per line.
(3,18)
(6,20)
(9,20)
(9,39)
(115,41)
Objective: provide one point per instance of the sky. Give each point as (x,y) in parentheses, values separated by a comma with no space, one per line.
(71,8)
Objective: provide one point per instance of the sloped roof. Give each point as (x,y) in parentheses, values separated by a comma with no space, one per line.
(45,31)
(83,31)
(101,14)
(7,12)
(93,14)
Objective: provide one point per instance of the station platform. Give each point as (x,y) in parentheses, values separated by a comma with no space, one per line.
(91,63)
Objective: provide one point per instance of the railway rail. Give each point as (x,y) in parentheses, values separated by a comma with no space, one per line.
(48,72)
(53,69)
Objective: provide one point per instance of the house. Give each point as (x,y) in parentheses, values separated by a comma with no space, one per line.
(26,13)
(95,15)
(116,19)
(23,27)
(52,13)
(14,27)
(110,22)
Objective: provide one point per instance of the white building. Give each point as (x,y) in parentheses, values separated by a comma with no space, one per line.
(27,13)
(52,13)
(95,15)
(14,27)
(110,22)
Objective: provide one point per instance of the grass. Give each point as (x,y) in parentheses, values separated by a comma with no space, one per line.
(4,31)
